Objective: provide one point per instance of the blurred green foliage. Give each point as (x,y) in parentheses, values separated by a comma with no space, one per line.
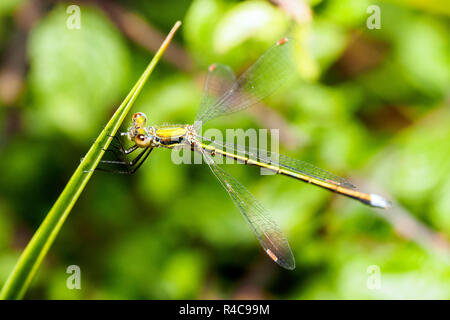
(85,71)
(368,104)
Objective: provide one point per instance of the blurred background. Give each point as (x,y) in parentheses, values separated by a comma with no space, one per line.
(371,105)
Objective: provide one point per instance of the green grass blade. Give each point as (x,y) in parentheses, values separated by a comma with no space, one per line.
(36,250)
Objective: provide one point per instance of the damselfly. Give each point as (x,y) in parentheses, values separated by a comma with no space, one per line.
(223,95)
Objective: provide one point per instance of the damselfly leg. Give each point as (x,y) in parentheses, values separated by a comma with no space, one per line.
(130,166)
(120,152)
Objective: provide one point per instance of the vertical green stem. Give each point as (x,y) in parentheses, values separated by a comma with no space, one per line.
(36,250)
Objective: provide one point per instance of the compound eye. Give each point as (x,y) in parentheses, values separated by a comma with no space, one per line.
(142,140)
(137,115)
(139,118)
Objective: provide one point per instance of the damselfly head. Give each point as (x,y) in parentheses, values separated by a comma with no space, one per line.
(138,132)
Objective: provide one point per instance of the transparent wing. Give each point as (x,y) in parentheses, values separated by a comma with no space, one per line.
(266,230)
(282,161)
(265,76)
(219,80)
